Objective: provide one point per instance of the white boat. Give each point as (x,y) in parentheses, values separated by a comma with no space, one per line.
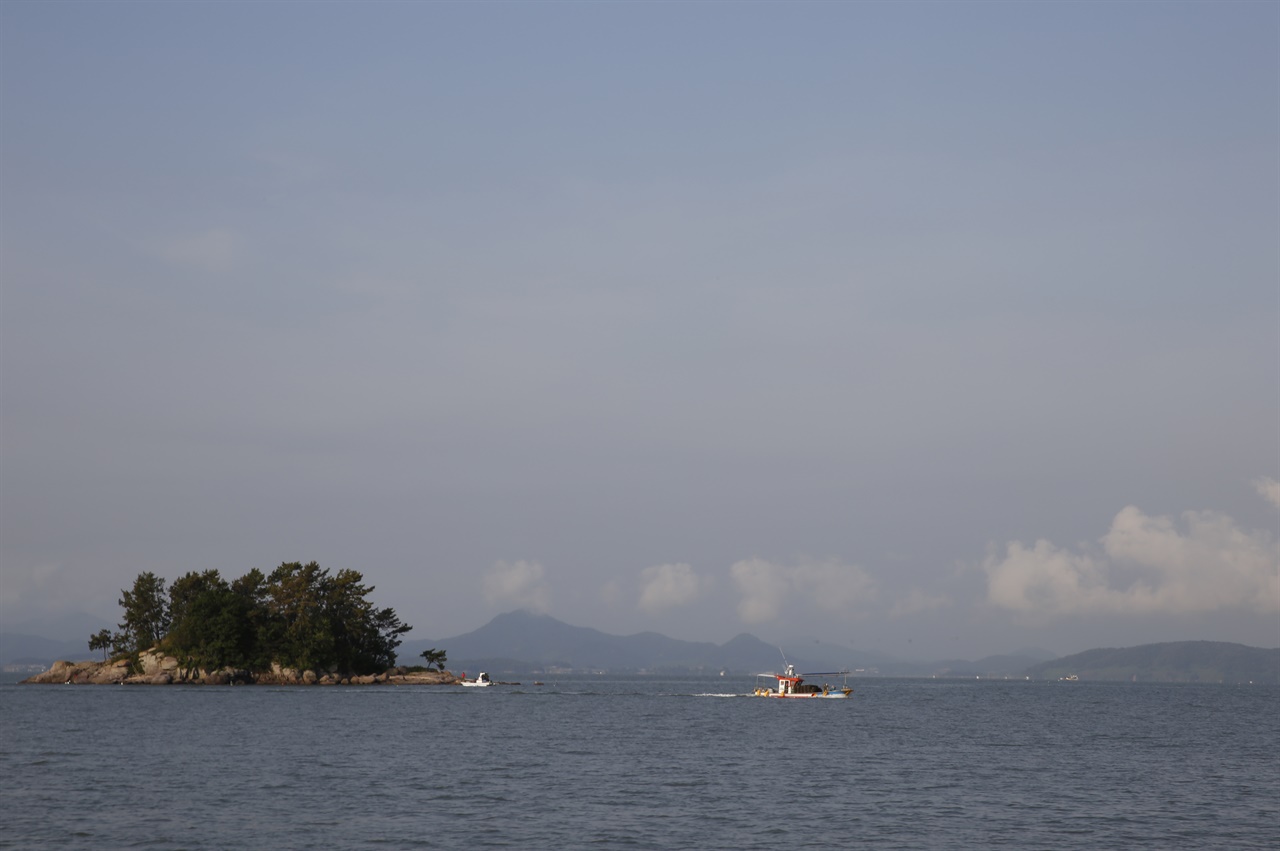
(480,681)
(791,684)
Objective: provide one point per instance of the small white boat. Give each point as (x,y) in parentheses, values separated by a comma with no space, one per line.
(480,681)
(791,684)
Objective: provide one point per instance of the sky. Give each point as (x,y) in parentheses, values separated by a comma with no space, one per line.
(934,329)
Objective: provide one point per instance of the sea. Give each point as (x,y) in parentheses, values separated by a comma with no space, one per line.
(641,762)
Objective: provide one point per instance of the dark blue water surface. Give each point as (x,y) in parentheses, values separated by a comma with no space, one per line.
(641,762)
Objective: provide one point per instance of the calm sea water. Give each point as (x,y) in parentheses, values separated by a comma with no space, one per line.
(641,762)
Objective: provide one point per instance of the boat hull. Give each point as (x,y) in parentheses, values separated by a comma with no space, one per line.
(832,694)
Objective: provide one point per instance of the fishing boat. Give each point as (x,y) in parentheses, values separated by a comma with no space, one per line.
(481,680)
(791,684)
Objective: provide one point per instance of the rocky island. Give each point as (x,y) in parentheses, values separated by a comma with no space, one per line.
(300,625)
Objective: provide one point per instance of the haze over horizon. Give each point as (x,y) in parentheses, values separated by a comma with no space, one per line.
(939,330)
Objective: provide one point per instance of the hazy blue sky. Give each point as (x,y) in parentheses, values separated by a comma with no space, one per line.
(935,328)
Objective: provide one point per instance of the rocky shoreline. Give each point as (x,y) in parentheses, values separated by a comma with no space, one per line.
(158,669)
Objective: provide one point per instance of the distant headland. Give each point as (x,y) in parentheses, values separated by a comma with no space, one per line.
(1170,662)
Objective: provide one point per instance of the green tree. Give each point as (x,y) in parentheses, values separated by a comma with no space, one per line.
(434,657)
(300,616)
(146,613)
(324,621)
(298,633)
(364,637)
(387,629)
(101,640)
(210,625)
(251,595)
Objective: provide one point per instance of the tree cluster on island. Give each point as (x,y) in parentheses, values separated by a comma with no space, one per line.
(299,616)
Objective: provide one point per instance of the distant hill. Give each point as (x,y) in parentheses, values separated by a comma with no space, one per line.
(1178,661)
(522,642)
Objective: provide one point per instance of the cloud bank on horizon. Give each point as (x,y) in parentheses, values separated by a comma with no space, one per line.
(847,322)
(1144,565)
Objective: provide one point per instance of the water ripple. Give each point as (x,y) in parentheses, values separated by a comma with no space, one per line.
(639,763)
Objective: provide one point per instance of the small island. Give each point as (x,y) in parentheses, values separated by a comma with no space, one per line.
(300,625)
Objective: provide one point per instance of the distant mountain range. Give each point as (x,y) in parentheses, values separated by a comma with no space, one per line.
(521,642)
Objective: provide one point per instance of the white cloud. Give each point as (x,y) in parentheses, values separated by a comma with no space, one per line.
(668,585)
(768,590)
(1045,578)
(1268,489)
(1146,565)
(519,583)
